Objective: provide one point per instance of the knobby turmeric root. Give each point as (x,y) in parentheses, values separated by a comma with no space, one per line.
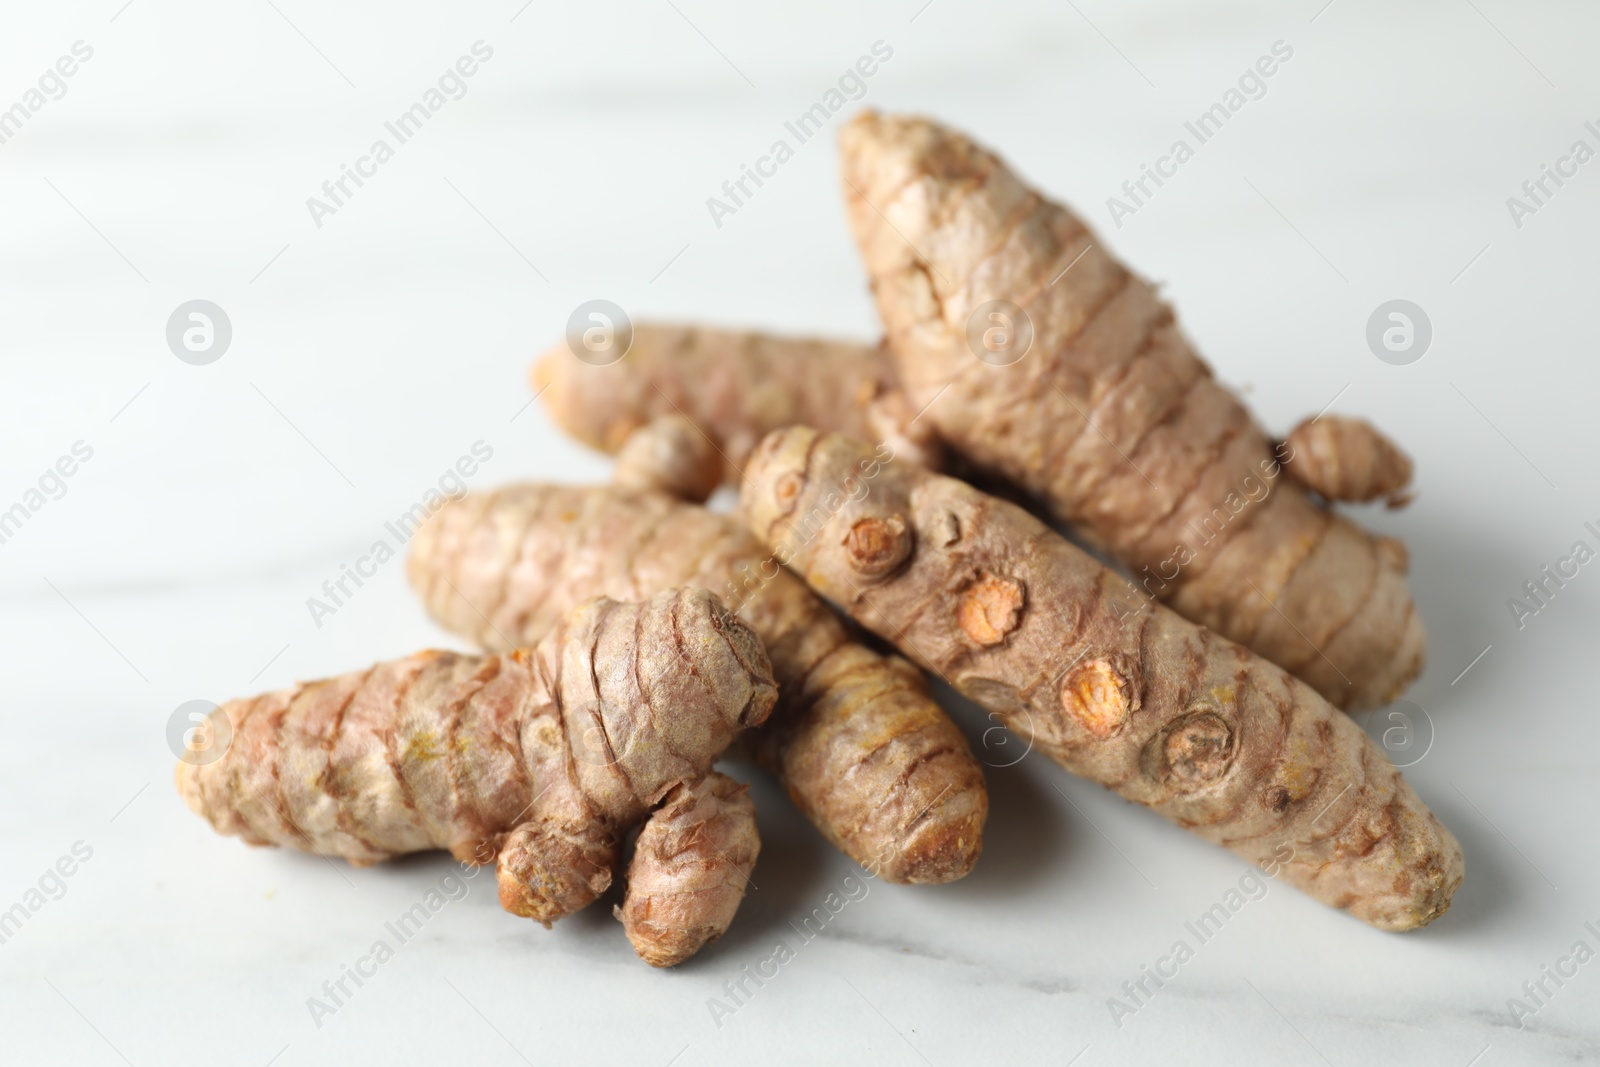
(690,867)
(671,455)
(1093,401)
(1347,459)
(1109,685)
(538,760)
(736,387)
(858,741)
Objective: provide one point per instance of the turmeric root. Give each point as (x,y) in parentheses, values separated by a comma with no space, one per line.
(540,760)
(670,454)
(1101,409)
(1109,685)
(1347,459)
(858,741)
(735,387)
(690,867)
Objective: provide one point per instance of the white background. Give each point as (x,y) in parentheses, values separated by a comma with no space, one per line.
(370,353)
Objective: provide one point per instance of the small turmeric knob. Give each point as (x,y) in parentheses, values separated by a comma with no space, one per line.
(689,871)
(672,455)
(550,868)
(1347,459)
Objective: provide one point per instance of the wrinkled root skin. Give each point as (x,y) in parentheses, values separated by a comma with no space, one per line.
(538,759)
(549,870)
(902,794)
(857,741)
(673,456)
(1112,687)
(1109,418)
(689,871)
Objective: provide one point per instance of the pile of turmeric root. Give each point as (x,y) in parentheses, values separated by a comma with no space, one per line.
(908,496)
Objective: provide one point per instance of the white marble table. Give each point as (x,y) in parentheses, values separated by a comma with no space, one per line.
(371,351)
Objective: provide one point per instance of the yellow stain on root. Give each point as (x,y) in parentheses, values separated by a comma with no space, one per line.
(1298,770)
(423,747)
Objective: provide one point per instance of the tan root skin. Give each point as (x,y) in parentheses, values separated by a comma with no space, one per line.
(1111,686)
(690,868)
(1110,418)
(671,455)
(735,386)
(538,760)
(1347,459)
(858,741)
